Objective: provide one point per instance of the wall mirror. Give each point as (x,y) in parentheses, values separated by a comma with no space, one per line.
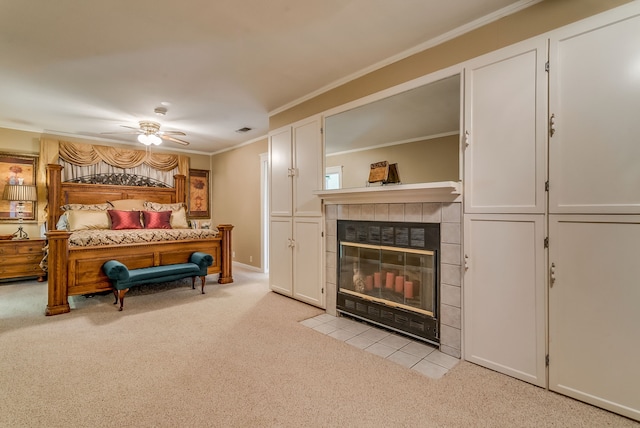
(417,129)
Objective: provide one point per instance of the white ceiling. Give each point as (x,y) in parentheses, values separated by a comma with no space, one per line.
(81,68)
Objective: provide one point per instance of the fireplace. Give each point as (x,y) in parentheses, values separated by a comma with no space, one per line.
(387,274)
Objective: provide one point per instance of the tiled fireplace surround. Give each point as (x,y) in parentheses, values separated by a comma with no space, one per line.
(449,215)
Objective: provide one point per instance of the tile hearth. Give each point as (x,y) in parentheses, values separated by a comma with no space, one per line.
(419,356)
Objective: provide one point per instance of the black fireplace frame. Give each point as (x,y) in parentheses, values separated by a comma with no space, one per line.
(415,324)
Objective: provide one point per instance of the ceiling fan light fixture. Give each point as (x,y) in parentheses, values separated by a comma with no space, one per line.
(148,139)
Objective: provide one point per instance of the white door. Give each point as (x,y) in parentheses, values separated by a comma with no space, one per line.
(307,162)
(594,310)
(281,255)
(504,294)
(595,102)
(307,266)
(280,170)
(505,137)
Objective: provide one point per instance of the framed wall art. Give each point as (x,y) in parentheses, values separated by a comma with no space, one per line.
(17,169)
(198,202)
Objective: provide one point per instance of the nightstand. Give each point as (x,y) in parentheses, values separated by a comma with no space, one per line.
(21,258)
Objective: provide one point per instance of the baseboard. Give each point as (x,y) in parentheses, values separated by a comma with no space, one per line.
(248,267)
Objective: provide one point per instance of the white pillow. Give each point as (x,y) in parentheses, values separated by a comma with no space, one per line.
(179,219)
(85,220)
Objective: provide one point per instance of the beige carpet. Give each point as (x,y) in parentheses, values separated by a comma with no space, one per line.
(234,357)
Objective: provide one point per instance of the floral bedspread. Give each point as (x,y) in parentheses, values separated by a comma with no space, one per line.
(88,238)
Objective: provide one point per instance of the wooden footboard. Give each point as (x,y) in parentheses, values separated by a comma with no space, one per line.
(78,270)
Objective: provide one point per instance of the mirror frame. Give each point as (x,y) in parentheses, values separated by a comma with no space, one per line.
(395,90)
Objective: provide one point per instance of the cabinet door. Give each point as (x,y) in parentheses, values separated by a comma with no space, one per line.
(504,294)
(308,176)
(281,255)
(594,344)
(505,140)
(280,172)
(307,261)
(595,101)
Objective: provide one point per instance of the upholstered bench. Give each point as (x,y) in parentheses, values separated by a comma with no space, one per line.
(123,278)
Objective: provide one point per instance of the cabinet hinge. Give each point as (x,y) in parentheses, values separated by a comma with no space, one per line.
(546,66)
(322,290)
(546,360)
(546,186)
(546,242)
(322,234)
(321,131)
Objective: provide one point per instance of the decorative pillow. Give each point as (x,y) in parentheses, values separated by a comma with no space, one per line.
(179,219)
(156,219)
(83,220)
(63,222)
(125,219)
(127,204)
(85,207)
(156,206)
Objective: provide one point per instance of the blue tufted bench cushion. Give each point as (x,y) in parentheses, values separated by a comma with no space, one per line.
(123,278)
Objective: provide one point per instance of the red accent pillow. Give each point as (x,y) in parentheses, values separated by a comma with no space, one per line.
(157,219)
(124,219)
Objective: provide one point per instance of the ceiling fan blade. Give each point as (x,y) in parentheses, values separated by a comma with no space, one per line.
(172,133)
(122,133)
(175,140)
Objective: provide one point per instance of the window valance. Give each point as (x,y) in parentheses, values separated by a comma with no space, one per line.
(82,154)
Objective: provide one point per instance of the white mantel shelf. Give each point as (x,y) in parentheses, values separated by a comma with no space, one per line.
(441,191)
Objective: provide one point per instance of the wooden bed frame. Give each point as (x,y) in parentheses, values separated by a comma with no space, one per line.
(78,270)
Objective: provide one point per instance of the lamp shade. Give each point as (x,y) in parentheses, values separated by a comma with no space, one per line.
(22,192)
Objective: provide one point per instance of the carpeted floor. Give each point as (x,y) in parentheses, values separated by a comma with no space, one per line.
(234,357)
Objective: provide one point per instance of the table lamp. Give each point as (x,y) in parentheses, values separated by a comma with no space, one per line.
(20,193)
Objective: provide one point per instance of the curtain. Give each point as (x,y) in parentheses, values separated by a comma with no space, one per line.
(81,159)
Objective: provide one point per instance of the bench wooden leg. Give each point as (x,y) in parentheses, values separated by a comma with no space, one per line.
(120,296)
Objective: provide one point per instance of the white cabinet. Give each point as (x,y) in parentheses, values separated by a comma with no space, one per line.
(280,255)
(295,170)
(594,345)
(308,276)
(504,204)
(295,242)
(504,298)
(505,132)
(594,202)
(595,103)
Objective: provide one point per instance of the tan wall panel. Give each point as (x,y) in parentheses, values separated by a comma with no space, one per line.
(418,162)
(235,176)
(533,21)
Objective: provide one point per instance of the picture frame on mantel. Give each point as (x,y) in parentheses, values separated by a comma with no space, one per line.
(17,169)
(198,202)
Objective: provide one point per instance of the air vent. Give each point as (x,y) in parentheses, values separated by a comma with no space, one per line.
(243,130)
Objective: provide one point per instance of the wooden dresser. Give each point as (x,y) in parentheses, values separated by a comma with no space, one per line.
(20,259)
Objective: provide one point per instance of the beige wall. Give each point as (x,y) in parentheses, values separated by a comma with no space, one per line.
(236,198)
(533,21)
(418,162)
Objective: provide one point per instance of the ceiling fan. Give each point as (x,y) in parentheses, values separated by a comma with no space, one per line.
(149,133)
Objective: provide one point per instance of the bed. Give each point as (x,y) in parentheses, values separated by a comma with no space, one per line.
(76,269)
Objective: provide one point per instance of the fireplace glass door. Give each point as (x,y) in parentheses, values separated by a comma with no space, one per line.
(398,277)
(387,274)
